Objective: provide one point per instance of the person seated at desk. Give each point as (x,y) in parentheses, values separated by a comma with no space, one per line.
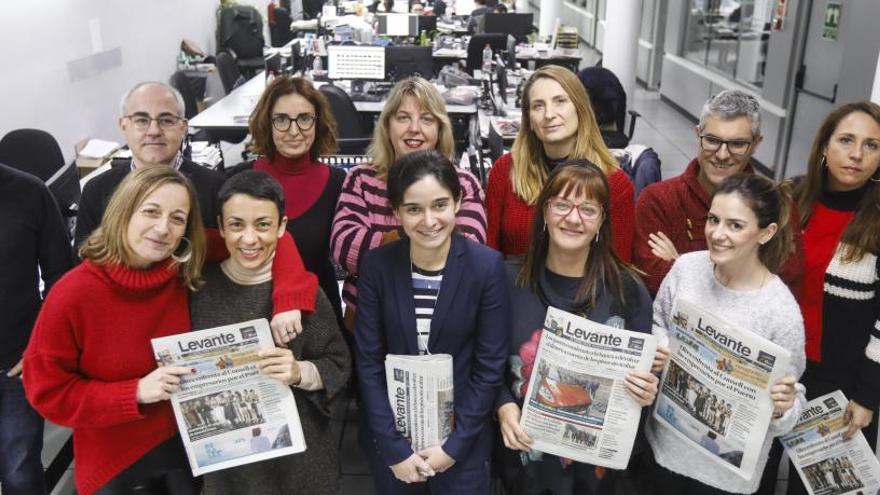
(414,118)
(477,14)
(151,120)
(292,126)
(557,124)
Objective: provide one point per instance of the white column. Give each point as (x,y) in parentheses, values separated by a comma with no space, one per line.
(522,6)
(875,92)
(550,11)
(621,44)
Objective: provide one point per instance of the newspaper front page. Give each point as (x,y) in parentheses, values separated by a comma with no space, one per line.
(715,389)
(576,405)
(420,391)
(828,464)
(228,414)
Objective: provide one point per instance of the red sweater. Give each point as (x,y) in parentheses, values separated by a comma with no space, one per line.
(678,207)
(510,218)
(89,347)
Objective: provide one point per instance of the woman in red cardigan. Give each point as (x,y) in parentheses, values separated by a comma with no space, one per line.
(557,124)
(89,364)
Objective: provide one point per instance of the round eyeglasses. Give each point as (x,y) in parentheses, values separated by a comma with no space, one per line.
(304,121)
(562,207)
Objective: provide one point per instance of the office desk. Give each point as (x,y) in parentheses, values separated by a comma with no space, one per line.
(527,57)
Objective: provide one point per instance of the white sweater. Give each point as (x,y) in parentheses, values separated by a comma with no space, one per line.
(770,312)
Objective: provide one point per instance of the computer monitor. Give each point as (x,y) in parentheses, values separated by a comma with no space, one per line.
(356,62)
(427,23)
(398,25)
(497,41)
(518,25)
(405,61)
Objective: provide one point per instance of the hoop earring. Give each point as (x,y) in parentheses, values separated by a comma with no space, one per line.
(824,162)
(596,239)
(187,252)
(875,180)
(544,229)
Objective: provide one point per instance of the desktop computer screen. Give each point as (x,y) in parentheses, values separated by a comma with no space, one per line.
(427,23)
(356,62)
(398,25)
(405,61)
(517,25)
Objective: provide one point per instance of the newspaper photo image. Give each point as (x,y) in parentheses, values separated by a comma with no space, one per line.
(228,413)
(421,395)
(576,404)
(714,391)
(826,463)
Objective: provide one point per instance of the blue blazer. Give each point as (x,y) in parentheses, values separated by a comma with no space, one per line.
(471,322)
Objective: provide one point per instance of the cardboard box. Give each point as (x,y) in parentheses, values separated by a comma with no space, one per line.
(87,165)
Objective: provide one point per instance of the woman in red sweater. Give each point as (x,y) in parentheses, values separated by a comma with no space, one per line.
(839,204)
(557,124)
(89,363)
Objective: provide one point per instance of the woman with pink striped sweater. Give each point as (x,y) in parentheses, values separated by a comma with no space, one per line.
(414,118)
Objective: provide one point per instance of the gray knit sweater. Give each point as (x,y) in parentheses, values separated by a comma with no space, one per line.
(770,312)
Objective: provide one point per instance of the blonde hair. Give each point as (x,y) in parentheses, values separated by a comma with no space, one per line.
(529,172)
(381,150)
(109,242)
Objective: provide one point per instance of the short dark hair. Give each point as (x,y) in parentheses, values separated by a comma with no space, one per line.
(255,184)
(414,167)
(771,203)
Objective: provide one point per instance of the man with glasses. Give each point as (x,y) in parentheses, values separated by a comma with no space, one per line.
(151,120)
(671,215)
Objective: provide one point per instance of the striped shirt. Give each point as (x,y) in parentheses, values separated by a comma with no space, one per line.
(426,289)
(363,215)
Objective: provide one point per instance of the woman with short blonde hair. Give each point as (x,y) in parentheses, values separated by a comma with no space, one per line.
(557,124)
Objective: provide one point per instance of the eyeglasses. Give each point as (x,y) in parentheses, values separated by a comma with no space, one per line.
(142,122)
(562,207)
(304,121)
(737,147)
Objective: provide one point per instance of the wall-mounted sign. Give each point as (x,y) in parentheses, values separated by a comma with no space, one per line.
(779,14)
(831,24)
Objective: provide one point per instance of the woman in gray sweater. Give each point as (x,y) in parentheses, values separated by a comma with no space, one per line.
(748,239)
(316,364)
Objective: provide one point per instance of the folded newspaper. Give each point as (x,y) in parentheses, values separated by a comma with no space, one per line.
(420,391)
(715,390)
(228,414)
(828,464)
(576,404)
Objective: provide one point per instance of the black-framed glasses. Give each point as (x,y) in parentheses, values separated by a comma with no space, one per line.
(737,147)
(304,121)
(142,121)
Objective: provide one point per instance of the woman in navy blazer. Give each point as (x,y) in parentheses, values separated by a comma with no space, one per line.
(432,291)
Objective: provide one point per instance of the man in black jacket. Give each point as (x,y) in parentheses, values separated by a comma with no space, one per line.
(33,243)
(151,120)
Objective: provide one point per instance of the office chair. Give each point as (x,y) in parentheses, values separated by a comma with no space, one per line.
(609,104)
(230,76)
(279,28)
(241,33)
(37,153)
(352,136)
(180,82)
(312,8)
(498,42)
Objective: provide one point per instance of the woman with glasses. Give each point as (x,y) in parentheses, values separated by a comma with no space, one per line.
(431,292)
(748,237)
(89,364)
(839,206)
(557,124)
(570,265)
(292,126)
(414,118)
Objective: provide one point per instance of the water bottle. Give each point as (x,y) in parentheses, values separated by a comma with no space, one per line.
(316,64)
(487,59)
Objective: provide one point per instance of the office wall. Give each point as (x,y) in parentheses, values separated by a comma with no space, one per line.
(67,62)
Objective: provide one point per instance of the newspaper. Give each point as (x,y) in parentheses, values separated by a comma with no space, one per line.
(576,405)
(420,391)
(228,414)
(715,389)
(828,464)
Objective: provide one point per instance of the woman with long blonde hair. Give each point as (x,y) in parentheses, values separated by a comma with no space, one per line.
(557,124)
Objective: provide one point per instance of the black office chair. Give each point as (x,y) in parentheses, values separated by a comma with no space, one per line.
(352,136)
(180,82)
(36,152)
(609,104)
(312,8)
(241,33)
(498,42)
(230,76)
(279,28)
